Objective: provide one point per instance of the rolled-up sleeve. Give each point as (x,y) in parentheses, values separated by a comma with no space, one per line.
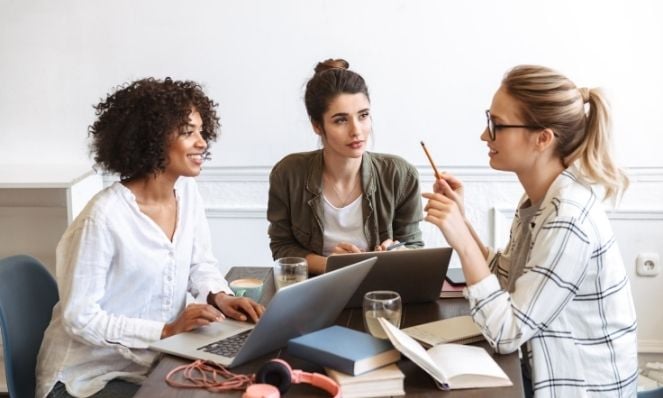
(553,274)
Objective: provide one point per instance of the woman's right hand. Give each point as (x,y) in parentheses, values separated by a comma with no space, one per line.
(452,188)
(344,248)
(193,317)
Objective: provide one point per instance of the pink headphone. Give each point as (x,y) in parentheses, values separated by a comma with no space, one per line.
(274,378)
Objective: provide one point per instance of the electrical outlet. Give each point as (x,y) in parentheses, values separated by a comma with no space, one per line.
(648,264)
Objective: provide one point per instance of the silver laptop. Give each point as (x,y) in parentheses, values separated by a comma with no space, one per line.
(416,274)
(294,310)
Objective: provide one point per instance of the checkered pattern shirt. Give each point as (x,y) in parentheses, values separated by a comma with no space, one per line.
(572,305)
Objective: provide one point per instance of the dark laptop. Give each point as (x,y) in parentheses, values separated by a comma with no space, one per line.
(416,274)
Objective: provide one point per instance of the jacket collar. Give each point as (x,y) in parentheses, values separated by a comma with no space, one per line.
(314,178)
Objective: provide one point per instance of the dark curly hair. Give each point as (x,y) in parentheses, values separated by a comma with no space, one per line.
(134,124)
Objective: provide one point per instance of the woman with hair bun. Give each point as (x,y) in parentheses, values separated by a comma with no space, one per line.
(559,290)
(341,198)
(126,263)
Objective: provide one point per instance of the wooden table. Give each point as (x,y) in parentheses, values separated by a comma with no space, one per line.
(417,382)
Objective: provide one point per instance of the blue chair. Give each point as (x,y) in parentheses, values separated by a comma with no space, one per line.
(28,293)
(655,393)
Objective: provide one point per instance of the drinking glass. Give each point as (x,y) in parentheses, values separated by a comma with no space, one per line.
(289,270)
(381,303)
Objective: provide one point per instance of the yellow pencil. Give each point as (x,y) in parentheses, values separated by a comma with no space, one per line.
(430,159)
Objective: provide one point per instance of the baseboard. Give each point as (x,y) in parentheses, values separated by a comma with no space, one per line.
(650,346)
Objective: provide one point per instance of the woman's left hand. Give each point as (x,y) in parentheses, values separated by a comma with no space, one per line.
(238,307)
(444,213)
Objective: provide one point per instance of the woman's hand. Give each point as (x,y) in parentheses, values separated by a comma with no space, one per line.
(389,244)
(193,317)
(445,209)
(344,248)
(238,307)
(444,213)
(452,188)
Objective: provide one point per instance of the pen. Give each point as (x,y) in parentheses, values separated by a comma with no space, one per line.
(430,159)
(395,246)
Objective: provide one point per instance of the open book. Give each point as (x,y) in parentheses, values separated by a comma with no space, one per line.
(453,366)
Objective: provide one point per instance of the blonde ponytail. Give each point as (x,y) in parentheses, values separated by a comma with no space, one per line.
(593,156)
(584,138)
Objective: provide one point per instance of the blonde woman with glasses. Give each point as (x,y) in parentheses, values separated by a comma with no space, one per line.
(558,291)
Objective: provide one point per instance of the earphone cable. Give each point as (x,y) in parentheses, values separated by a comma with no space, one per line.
(208,375)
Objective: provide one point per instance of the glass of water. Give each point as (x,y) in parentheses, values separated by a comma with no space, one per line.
(385,304)
(289,270)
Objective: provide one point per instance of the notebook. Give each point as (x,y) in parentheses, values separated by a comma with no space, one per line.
(416,274)
(294,310)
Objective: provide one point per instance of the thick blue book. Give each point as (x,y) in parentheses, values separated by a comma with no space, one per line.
(343,349)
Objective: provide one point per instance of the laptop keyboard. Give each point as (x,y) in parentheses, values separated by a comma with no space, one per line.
(227,347)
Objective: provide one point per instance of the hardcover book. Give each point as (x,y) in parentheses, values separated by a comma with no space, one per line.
(387,381)
(459,329)
(346,350)
(451,291)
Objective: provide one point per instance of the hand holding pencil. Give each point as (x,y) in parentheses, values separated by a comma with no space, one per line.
(446,184)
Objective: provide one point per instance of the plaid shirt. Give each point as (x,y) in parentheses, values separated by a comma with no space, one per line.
(572,305)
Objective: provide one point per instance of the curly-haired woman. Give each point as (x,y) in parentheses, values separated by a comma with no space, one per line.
(125,265)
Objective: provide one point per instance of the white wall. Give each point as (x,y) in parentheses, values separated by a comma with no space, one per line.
(432,67)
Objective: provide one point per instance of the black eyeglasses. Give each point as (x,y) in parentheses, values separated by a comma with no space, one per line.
(492,127)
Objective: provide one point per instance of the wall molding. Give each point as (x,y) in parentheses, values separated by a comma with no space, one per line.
(236,212)
(650,346)
(501,216)
(235,174)
(470,173)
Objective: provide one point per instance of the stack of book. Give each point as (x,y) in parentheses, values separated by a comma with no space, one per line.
(363,365)
(453,284)
(383,382)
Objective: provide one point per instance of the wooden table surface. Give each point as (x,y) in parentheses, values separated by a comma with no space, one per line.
(417,382)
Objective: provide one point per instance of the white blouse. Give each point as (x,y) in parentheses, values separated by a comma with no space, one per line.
(120,280)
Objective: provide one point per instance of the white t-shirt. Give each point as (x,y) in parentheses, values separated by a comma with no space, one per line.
(343,225)
(120,280)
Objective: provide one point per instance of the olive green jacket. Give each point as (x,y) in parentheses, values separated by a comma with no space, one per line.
(391,204)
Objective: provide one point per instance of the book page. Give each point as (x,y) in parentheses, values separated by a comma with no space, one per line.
(468,366)
(413,350)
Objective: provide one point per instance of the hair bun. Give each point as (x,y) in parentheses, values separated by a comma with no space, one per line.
(330,63)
